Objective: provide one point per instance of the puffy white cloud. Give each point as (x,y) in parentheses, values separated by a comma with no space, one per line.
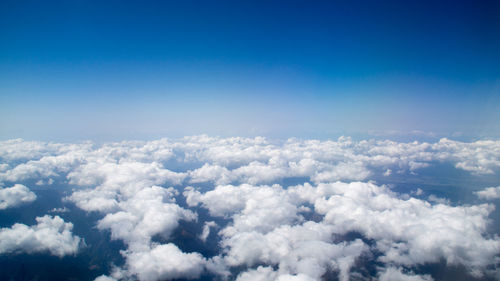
(480,157)
(19,149)
(260,274)
(343,171)
(48,160)
(213,173)
(128,177)
(206,230)
(409,231)
(252,207)
(489,193)
(59,210)
(105,278)
(239,160)
(151,211)
(15,196)
(135,209)
(267,228)
(288,233)
(134,213)
(267,274)
(50,234)
(303,249)
(396,274)
(165,262)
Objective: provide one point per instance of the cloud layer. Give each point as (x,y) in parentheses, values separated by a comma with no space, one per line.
(50,234)
(15,196)
(489,193)
(295,210)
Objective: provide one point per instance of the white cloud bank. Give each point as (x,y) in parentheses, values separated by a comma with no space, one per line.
(15,196)
(268,227)
(489,193)
(50,234)
(240,160)
(273,232)
(397,274)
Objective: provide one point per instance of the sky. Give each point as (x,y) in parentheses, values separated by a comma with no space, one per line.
(109,70)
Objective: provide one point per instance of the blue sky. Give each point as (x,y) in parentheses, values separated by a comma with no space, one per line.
(129,69)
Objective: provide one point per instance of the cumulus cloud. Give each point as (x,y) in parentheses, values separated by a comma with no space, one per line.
(105,278)
(397,274)
(151,211)
(15,196)
(50,234)
(489,193)
(267,229)
(238,160)
(135,208)
(135,218)
(206,230)
(409,231)
(165,262)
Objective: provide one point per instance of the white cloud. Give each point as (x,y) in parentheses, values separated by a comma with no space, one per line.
(396,274)
(343,171)
(260,274)
(165,262)
(253,207)
(206,230)
(240,160)
(267,229)
(489,193)
(50,234)
(213,173)
(59,210)
(105,278)
(135,209)
(433,198)
(409,231)
(15,196)
(286,232)
(151,211)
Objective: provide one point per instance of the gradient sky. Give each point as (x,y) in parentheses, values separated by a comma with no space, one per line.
(101,70)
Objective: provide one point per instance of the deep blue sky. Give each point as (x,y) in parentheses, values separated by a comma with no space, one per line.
(144,69)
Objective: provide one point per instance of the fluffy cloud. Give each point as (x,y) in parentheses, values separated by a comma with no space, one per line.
(165,262)
(15,196)
(267,229)
(135,218)
(396,274)
(206,230)
(105,278)
(151,211)
(50,234)
(408,232)
(123,185)
(239,160)
(489,193)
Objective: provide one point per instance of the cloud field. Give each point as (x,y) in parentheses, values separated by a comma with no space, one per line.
(268,210)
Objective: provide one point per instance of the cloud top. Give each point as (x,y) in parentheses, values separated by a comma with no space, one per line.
(50,234)
(292,210)
(15,196)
